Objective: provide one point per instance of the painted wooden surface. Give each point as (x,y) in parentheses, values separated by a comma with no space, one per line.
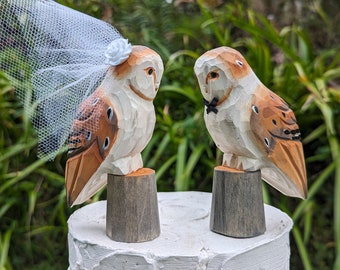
(237,203)
(132,207)
(113,125)
(251,125)
(185,242)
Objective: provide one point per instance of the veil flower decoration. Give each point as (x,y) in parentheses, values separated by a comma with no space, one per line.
(55,57)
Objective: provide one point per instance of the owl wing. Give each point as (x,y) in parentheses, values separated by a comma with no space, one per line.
(93,134)
(275,129)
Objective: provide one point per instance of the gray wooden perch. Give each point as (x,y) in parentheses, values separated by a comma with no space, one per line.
(237,208)
(132,207)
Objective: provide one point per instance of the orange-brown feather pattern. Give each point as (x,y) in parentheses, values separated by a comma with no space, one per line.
(274,125)
(238,66)
(94,131)
(79,169)
(252,126)
(113,125)
(289,157)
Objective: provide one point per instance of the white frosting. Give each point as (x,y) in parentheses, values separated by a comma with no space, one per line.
(185,241)
(117,52)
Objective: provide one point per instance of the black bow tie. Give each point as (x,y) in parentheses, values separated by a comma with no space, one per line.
(211,106)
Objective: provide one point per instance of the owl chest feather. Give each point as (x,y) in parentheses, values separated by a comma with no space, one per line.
(225,133)
(230,128)
(136,121)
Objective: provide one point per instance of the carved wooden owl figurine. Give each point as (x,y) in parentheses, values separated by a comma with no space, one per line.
(252,126)
(113,125)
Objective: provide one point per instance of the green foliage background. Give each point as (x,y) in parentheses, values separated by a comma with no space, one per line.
(298,59)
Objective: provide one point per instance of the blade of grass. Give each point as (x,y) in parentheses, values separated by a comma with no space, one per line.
(180,165)
(213,26)
(337,210)
(302,249)
(16,149)
(266,197)
(4,247)
(165,166)
(162,146)
(51,175)
(22,174)
(308,223)
(152,144)
(190,165)
(4,208)
(187,92)
(316,186)
(315,134)
(193,159)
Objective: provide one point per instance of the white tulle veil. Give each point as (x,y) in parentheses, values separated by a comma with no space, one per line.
(55,57)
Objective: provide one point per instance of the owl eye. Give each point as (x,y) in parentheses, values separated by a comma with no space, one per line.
(213,75)
(150,70)
(266,142)
(239,63)
(109,113)
(95,101)
(88,135)
(106,143)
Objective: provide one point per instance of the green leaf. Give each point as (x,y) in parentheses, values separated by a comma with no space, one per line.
(4,246)
(180,184)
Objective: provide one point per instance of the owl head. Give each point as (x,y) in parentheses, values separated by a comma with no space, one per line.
(220,71)
(142,72)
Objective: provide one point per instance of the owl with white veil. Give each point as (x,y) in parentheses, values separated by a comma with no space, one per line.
(113,125)
(85,88)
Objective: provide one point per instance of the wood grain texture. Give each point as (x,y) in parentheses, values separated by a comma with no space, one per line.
(89,147)
(253,127)
(237,208)
(275,129)
(132,207)
(117,121)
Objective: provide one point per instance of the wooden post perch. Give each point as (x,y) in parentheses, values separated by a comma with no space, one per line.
(132,207)
(237,208)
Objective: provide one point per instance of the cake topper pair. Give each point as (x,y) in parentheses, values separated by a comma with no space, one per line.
(93,91)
